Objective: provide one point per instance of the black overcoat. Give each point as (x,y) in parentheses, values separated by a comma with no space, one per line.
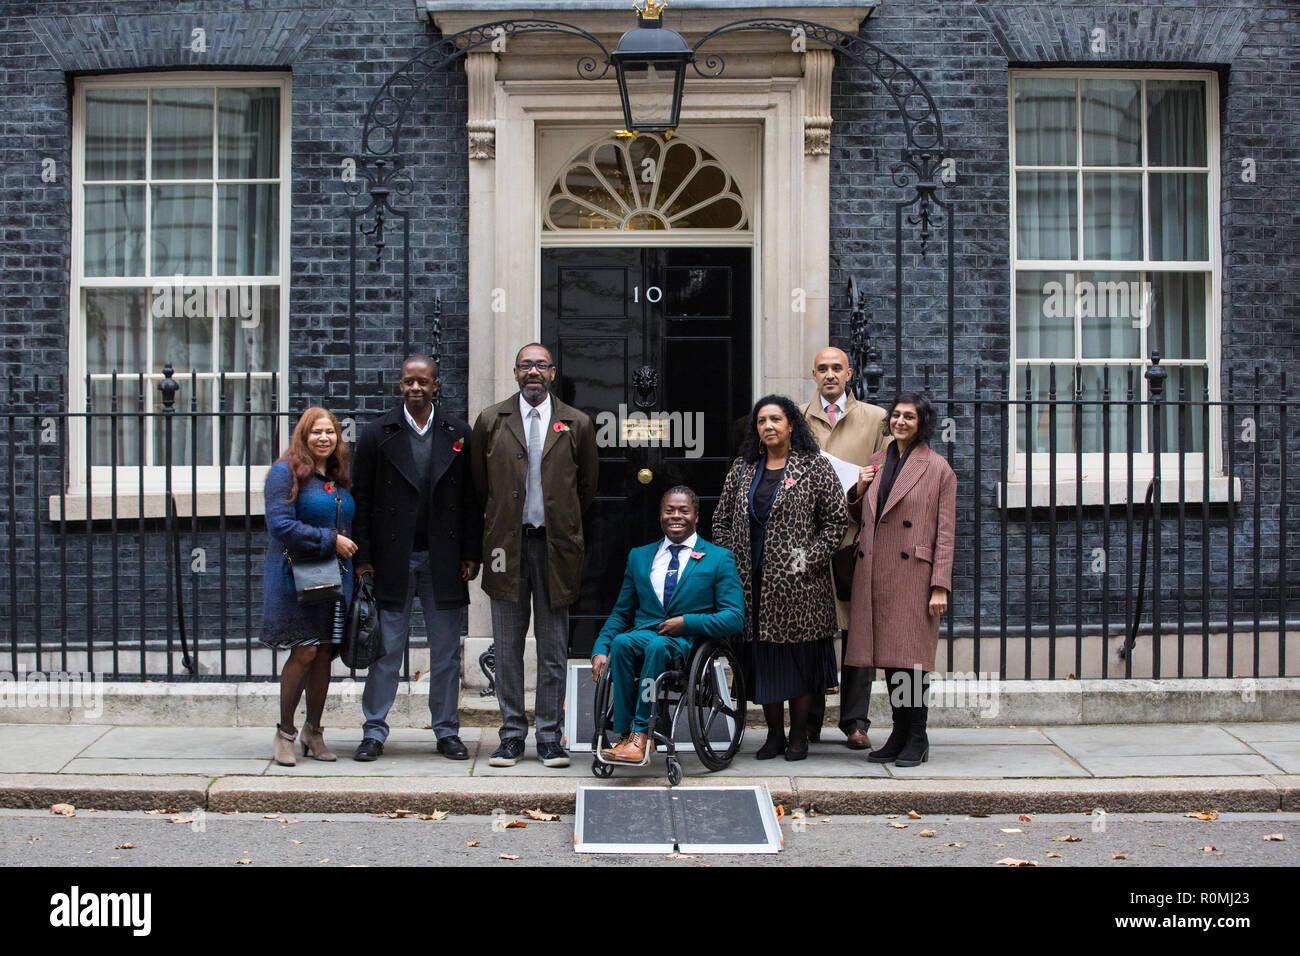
(386,489)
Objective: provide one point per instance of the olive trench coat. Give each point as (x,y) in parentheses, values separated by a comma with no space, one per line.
(499,458)
(804,528)
(899,561)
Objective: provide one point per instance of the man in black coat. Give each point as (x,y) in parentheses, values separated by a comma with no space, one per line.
(419,530)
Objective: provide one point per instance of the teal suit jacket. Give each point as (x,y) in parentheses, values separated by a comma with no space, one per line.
(708,596)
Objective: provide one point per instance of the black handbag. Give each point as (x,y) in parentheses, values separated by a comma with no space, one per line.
(361,635)
(320,580)
(843,563)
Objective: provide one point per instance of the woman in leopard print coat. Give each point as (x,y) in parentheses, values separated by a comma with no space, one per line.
(782,514)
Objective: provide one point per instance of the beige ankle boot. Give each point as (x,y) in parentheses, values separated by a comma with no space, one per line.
(284,747)
(313,743)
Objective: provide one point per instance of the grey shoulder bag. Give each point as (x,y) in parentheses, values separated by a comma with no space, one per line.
(320,580)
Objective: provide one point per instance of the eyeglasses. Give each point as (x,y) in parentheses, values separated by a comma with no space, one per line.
(540,366)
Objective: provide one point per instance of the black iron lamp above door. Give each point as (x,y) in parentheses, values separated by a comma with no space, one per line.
(650,62)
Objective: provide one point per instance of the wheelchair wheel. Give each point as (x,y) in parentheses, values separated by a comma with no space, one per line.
(674,771)
(715,695)
(602,712)
(599,769)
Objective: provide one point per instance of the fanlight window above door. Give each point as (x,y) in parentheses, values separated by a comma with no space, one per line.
(647,183)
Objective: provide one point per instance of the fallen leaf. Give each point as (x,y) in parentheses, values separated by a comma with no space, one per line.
(1203,815)
(180,819)
(1025,819)
(1068,838)
(436,815)
(1219,853)
(1208,849)
(679,856)
(913,815)
(515,823)
(125,846)
(243,862)
(402,813)
(954,844)
(1119,856)
(173,810)
(899,826)
(1275,837)
(1051,855)
(1012,830)
(64,809)
(32,838)
(297,843)
(427,726)
(891,816)
(1011,861)
(1157,844)
(999,844)
(472,843)
(507,856)
(540,814)
(926,833)
(978,815)
(326,860)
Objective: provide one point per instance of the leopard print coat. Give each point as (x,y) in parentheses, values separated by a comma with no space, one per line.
(804,528)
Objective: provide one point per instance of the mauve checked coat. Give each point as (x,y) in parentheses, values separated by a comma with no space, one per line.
(899,561)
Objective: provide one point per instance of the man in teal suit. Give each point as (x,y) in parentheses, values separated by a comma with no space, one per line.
(680,575)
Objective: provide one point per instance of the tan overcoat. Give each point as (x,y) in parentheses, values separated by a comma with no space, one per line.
(900,560)
(858,434)
(499,457)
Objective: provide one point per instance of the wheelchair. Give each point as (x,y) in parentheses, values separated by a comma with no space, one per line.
(707,690)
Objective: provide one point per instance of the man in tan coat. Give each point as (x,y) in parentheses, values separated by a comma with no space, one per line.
(534,460)
(852,431)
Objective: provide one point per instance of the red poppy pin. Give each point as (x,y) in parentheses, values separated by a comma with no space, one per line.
(329,487)
(696,555)
(789,482)
(458,445)
(560,428)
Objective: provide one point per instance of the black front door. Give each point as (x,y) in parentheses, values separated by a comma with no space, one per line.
(654,345)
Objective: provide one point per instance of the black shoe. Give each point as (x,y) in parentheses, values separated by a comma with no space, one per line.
(792,754)
(772,747)
(552,755)
(507,753)
(453,748)
(917,749)
(369,749)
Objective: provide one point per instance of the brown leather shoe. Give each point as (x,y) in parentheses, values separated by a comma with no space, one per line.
(858,740)
(637,747)
(608,752)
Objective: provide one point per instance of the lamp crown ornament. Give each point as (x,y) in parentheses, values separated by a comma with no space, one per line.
(649,9)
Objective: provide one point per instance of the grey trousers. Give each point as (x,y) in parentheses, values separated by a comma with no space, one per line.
(551,628)
(443,629)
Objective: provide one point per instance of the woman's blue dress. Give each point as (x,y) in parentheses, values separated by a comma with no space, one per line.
(305,527)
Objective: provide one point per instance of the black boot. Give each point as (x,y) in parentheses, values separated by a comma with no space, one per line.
(917,749)
(897,737)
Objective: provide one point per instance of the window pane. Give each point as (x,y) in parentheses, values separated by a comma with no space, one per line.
(1176,123)
(191,437)
(1040,411)
(1179,216)
(1188,434)
(116,320)
(183,340)
(182,134)
(248,230)
(1110,314)
(1046,216)
(249,440)
(1178,314)
(1045,122)
(249,330)
(1095,418)
(114,231)
(248,133)
(182,230)
(115,129)
(1112,122)
(125,429)
(1112,215)
(1045,315)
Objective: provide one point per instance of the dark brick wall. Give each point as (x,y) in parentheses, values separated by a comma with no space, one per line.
(340,53)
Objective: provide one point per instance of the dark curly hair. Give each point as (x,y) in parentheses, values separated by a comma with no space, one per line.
(925,414)
(801,436)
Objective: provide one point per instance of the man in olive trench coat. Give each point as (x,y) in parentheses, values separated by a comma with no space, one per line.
(535,476)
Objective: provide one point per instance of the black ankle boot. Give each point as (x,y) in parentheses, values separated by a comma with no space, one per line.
(897,737)
(917,749)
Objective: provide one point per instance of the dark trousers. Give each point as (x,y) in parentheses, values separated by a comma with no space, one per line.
(855,696)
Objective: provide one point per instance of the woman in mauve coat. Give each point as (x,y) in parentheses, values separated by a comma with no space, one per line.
(906,501)
(309,513)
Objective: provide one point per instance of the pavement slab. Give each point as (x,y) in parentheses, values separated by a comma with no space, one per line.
(995,760)
(43,748)
(1115,740)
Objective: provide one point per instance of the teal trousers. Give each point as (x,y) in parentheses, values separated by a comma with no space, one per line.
(635,660)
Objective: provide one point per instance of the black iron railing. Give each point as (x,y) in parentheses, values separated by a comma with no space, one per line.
(1060,493)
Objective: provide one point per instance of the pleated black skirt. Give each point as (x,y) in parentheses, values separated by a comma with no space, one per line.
(778,672)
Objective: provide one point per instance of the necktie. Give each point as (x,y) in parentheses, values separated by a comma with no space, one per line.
(833,413)
(670,580)
(534,507)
